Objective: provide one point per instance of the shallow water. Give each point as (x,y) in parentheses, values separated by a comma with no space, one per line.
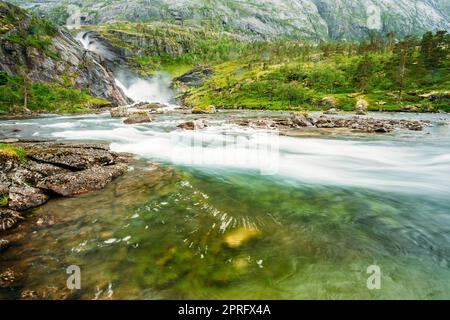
(238,213)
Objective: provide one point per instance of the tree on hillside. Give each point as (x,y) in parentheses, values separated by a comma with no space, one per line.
(433,51)
(401,63)
(363,73)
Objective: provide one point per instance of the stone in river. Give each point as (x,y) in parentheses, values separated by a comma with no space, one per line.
(138,117)
(8,218)
(75,183)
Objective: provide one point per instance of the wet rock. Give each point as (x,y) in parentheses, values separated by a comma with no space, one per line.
(138,117)
(7,278)
(300,120)
(119,112)
(8,218)
(25,197)
(4,244)
(72,158)
(193,125)
(76,183)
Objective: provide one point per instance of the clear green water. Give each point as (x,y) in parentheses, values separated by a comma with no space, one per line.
(205,233)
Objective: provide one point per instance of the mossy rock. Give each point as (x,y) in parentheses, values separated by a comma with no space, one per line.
(203,110)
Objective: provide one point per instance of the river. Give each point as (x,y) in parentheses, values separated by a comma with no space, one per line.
(239,213)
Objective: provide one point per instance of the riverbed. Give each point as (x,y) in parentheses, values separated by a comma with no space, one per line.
(239,213)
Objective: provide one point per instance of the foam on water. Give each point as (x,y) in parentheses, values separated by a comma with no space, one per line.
(376,164)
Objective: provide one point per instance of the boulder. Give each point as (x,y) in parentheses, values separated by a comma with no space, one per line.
(4,244)
(300,120)
(76,183)
(138,117)
(193,125)
(119,112)
(203,110)
(72,158)
(8,218)
(25,197)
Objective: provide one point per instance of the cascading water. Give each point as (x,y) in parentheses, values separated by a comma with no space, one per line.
(138,89)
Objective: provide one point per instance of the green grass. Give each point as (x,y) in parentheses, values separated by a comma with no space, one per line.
(289,76)
(43,97)
(11,151)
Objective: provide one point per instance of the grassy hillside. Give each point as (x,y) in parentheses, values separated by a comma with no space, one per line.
(17,95)
(296,75)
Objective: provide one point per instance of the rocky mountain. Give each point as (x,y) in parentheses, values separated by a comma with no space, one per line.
(320,19)
(43,52)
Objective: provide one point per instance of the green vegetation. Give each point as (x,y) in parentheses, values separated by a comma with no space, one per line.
(37,33)
(18,94)
(4,200)
(171,48)
(298,75)
(11,151)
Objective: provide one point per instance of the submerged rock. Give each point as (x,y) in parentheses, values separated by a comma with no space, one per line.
(240,236)
(8,218)
(4,244)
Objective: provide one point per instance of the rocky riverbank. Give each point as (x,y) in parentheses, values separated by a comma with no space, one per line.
(32,172)
(357,123)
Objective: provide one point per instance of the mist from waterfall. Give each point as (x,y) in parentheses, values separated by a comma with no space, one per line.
(139,89)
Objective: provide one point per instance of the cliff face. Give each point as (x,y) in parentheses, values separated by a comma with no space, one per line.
(42,52)
(319,19)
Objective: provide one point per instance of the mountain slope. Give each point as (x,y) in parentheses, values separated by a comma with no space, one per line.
(319,19)
(38,51)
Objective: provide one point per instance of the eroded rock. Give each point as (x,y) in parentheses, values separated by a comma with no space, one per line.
(76,183)
(8,218)
(138,117)
(25,197)
(193,125)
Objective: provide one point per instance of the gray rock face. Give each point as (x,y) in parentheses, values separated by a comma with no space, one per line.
(319,19)
(68,61)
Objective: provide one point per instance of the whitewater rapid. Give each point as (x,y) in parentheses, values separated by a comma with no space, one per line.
(406,162)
